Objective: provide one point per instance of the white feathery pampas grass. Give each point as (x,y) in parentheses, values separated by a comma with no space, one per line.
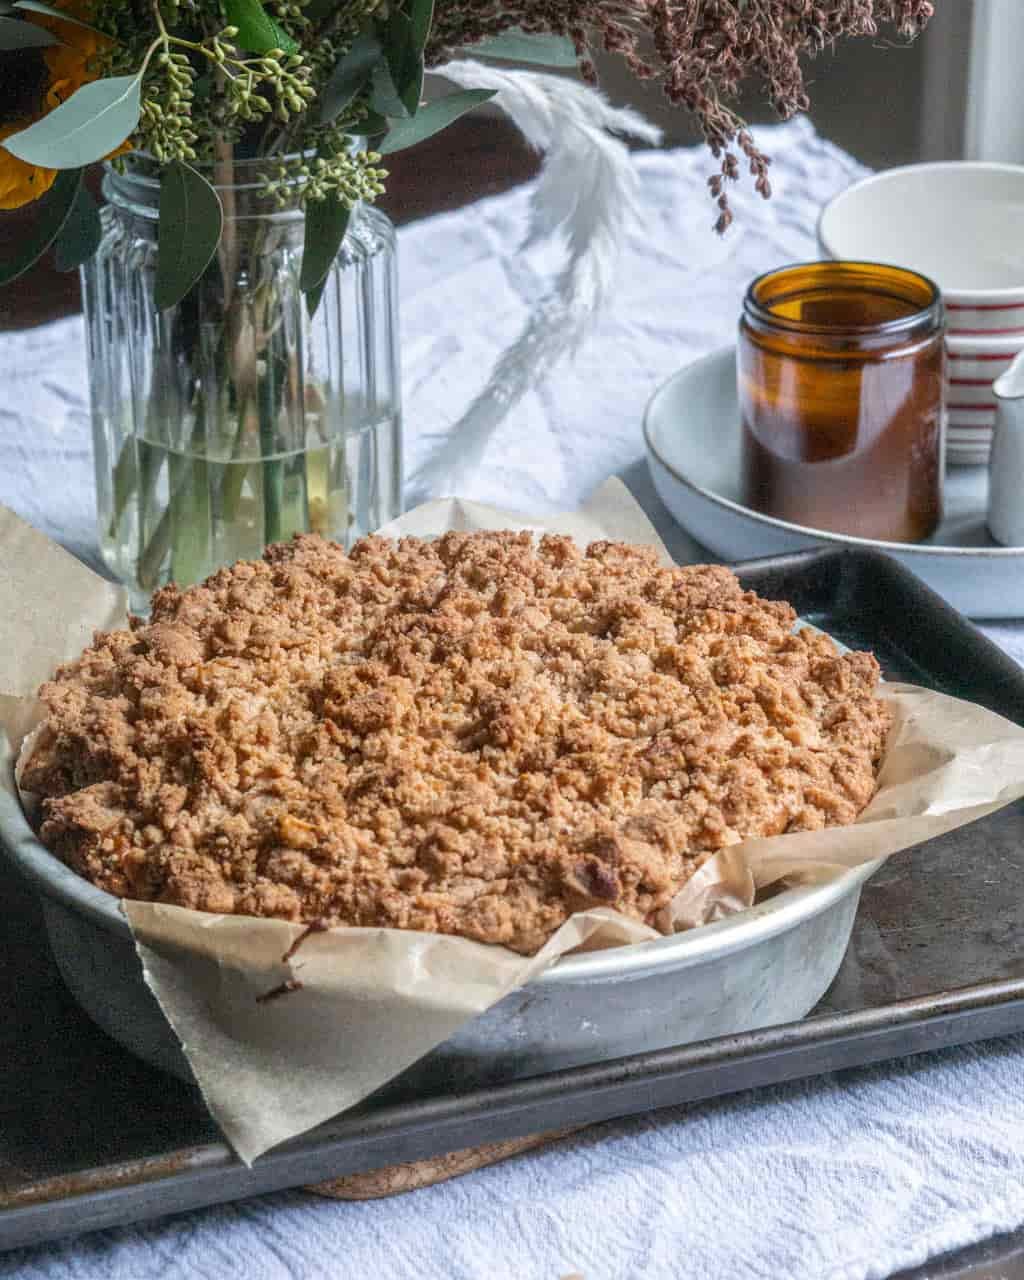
(587,190)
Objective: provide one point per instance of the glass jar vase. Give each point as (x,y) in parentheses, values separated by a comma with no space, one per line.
(841,381)
(235,419)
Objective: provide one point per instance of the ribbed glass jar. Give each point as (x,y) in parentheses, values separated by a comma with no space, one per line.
(235,419)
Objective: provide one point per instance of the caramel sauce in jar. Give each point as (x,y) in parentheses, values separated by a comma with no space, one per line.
(841,378)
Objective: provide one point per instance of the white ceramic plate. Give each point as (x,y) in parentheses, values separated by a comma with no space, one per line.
(957,223)
(692,432)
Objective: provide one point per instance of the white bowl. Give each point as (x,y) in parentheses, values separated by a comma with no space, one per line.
(955,223)
(958,223)
(974,362)
(979,361)
(995,345)
(969,395)
(976,318)
(979,458)
(693,437)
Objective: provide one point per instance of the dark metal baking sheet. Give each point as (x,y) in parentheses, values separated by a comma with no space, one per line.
(91,1138)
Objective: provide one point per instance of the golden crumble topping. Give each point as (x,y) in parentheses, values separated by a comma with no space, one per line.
(477,735)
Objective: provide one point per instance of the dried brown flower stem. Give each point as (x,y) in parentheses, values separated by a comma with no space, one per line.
(702,51)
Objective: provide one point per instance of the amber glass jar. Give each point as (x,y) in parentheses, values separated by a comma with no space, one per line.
(841,375)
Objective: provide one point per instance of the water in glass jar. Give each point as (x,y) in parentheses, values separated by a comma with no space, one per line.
(176,515)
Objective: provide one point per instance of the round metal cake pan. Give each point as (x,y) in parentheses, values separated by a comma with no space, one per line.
(762,967)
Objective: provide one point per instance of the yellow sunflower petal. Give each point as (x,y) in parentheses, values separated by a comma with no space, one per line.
(20,183)
(70,61)
(69,66)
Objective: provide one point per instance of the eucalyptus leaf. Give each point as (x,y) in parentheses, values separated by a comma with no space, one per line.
(24,35)
(351,73)
(51,212)
(326,224)
(35,6)
(521,46)
(431,119)
(190,224)
(313,297)
(258,32)
(80,235)
(384,97)
(94,121)
(421,15)
(404,60)
(412,94)
(372,125)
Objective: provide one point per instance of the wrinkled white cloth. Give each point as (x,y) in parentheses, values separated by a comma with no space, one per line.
(848,1178)
(839,1178)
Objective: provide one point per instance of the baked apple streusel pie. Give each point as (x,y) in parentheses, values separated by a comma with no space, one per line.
(477,735)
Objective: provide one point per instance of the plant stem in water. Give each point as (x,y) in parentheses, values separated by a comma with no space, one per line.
(273,472)
(191,525)
(125,482)
(152,556)
(234,477)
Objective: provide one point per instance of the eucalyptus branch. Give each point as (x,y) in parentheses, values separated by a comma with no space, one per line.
(260,77)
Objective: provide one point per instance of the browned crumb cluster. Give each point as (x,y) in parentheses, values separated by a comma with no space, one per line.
(478,735)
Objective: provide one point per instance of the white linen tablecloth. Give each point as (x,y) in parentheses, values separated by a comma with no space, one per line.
(842,1177)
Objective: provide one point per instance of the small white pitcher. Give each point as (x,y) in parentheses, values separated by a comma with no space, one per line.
(1006,465)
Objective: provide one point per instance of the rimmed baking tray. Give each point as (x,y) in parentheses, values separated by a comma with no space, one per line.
(90,1137)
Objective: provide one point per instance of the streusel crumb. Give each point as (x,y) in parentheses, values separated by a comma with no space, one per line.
(477,735)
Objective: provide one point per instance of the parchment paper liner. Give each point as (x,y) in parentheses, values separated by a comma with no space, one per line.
(373,1001)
